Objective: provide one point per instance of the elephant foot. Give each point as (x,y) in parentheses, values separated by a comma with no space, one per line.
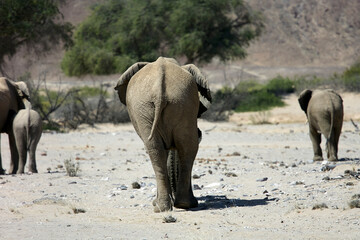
(186,203)
(318,158)
(332,159)
(161,205)
(2,171)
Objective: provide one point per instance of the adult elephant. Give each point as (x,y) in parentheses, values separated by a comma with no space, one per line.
(12,98)
(324,110)
(164,100)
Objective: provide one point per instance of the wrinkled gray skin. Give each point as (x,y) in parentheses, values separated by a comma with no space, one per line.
(27,128)
(164,100)
(324,110)
(12,98)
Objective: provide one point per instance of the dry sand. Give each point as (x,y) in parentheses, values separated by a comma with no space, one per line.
(252,182)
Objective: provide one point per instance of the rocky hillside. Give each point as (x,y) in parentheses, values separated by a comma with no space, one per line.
(314,36)
(307,33)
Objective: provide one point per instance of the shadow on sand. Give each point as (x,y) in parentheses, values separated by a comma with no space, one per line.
(221,202)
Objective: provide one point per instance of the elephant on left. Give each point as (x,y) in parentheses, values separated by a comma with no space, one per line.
(13,97)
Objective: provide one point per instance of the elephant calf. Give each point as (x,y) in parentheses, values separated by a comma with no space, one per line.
(27,129)
(324,110)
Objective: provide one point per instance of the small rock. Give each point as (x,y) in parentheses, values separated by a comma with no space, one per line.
(327,168)
(262,179)
(230,174)
(135,185)
(123,187)
(297,183)
(196,187)
(169,219)
(195,176)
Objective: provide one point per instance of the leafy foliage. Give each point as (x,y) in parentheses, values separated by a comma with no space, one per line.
(351,77)
(119,33)
(32,23)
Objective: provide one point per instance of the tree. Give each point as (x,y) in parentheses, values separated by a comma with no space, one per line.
(33,23)
(121,32)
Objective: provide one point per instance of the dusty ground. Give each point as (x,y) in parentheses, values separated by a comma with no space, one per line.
(252,182)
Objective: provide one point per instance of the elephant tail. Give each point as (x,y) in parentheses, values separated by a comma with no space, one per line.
(158,109)
(159,103)
(331,121)
(28,129)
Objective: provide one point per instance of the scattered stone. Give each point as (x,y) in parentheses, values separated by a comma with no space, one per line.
(262,179)
(230,174)
(327,178)
(195,176)
(353,173)
(196,187)
(73,182)
(319,206)
(354,204)
(78,210)
(356,196)
(210,172)
(123,187)
(349,184)
(169,219)
(327,167)
(355,201)
(297,183)
(136,185)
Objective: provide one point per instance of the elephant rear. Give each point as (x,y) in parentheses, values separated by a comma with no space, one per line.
(164,96)
(163,102)
(326,112)
(27,128)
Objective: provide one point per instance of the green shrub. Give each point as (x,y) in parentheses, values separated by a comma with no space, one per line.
(353,70)
(85,92)
(259,101)
(280,85)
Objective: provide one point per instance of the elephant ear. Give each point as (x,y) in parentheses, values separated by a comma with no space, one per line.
(124,79)
(203,88)
(23,90)
(304,99)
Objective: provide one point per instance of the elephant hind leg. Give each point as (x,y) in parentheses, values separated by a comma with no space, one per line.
(332,145)
(316,141)
(32,159)
(163,201)
(184,197)
(22,151)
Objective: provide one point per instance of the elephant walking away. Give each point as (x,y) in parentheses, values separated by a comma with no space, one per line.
(13,96)
(325,112)
(27,129)
(164,101)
